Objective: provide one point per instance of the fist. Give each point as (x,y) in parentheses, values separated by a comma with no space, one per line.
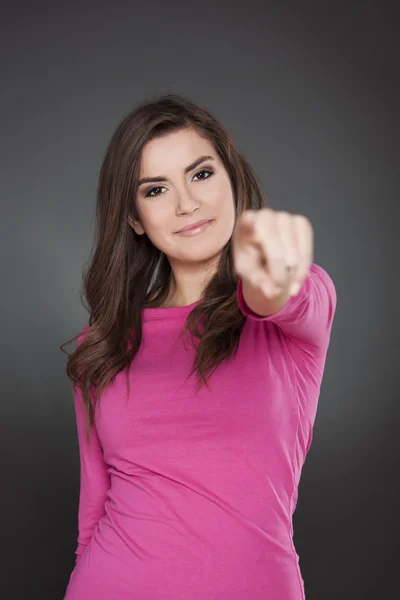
(273,250)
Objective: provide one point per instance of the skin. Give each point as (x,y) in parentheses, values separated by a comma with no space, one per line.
(180,200)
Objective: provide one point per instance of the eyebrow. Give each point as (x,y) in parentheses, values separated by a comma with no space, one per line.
(187,170)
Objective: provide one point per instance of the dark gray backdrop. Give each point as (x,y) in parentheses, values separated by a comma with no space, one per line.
(310,93)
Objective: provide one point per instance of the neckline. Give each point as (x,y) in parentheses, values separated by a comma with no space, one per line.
(157,313)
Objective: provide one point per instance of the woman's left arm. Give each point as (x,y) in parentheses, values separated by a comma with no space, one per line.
(273,254)
(305,318)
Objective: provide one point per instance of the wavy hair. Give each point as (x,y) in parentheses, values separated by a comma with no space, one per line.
(127,273)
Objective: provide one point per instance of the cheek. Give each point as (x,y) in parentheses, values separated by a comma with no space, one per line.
(227,204)
(223,207)
(221,196)
(153,217)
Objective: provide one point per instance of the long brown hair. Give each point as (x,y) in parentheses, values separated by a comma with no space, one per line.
(126,271)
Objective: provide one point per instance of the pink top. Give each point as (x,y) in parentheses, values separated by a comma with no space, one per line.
(190,496)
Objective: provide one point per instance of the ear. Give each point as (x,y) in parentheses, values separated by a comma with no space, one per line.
(136,226)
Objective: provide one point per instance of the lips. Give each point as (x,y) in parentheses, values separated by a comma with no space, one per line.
(194,225)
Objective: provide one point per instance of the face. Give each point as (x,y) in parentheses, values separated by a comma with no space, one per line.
(181,188)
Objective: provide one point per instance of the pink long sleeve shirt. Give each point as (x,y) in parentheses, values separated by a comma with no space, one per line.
(189,495)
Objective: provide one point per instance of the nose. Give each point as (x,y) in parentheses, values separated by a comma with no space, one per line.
(186,203)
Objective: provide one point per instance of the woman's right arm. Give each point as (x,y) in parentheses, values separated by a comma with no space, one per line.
(94,478)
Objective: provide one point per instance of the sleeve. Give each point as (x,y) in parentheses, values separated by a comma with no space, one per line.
(94,477)
(306,319)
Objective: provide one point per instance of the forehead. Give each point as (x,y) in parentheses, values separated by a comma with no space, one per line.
(174,151)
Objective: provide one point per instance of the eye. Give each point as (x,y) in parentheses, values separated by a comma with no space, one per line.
(209,172)
(149,192)
(152,192)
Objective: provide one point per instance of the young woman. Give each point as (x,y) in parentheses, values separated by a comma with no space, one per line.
(196,380)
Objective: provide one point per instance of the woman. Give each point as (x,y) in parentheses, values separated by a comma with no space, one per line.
(197,378)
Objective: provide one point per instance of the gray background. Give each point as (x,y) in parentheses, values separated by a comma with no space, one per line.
(310,93)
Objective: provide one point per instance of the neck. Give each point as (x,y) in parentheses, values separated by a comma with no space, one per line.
(188,283)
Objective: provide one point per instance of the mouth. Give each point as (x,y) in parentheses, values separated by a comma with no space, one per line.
(197,227)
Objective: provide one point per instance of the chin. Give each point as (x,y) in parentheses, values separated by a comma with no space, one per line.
(200,252)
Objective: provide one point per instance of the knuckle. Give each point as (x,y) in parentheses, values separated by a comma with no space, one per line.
(302,220)
(283,215)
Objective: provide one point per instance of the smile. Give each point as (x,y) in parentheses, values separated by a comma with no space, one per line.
(195,230)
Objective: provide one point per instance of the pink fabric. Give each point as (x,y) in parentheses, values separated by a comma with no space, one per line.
(190,496)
